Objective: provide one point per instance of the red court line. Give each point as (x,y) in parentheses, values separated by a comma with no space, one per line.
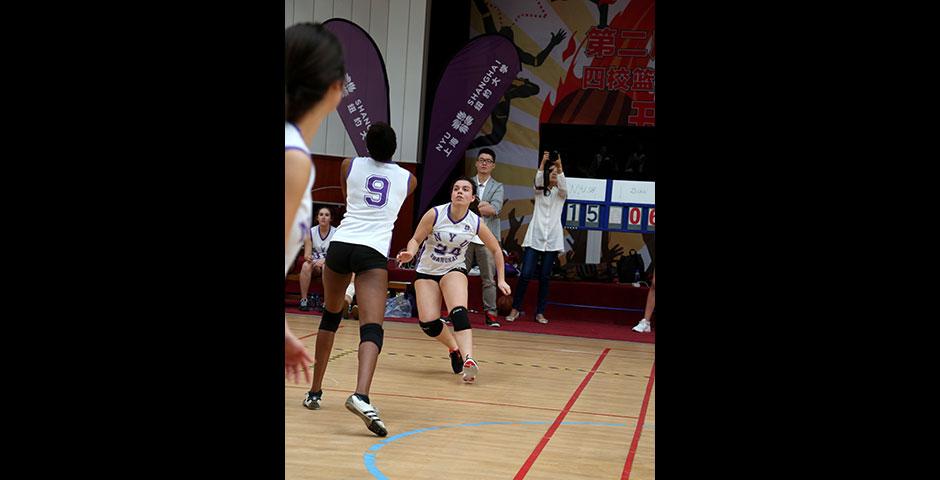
(314,334)
(619,349)
(470,401)
(639,426)
(602,414)
(477,344)
(528,346)
(561,416)
(544,342)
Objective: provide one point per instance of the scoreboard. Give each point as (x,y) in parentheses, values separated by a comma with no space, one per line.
(610,205)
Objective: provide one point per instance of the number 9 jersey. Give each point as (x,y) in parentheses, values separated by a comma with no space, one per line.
(375,192)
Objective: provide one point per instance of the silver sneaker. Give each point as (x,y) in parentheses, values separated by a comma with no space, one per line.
(368,414)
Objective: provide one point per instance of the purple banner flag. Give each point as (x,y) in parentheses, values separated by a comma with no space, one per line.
(365,91)
(472,85)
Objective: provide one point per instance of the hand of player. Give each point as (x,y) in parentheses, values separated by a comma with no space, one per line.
(404,256)
(504,287)
(309,258)
(296,359)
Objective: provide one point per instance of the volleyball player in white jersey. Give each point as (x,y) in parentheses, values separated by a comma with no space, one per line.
(375,189)
(315,246)
(444,233)
(315,249)
(313,72)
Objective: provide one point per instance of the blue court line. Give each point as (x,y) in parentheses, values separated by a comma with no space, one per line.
(368,458)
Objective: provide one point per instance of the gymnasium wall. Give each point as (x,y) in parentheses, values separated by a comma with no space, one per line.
(399,28)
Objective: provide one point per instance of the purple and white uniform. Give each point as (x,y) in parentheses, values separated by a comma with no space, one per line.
(320,244)
(446,246)
(375,192)
(301,227)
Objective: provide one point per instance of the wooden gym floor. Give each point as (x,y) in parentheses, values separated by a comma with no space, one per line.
(542,407)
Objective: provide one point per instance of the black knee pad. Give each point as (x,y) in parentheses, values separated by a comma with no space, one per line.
(432,328)
(458,316)
(330,320)
(371,332)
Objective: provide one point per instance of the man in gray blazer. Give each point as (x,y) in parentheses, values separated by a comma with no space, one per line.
(490,193)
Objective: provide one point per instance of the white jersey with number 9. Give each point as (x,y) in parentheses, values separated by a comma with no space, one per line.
(375,192)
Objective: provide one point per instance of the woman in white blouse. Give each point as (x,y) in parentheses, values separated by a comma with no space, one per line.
(544,240)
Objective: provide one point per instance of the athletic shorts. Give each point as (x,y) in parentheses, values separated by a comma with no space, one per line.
(353,258)
(437,278)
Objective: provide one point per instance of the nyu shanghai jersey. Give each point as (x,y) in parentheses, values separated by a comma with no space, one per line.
(320,244)
(446,246)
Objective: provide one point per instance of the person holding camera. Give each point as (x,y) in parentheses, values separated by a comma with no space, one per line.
(544,240)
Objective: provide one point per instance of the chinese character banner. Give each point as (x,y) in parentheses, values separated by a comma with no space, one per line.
(473,83)
(365,90)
